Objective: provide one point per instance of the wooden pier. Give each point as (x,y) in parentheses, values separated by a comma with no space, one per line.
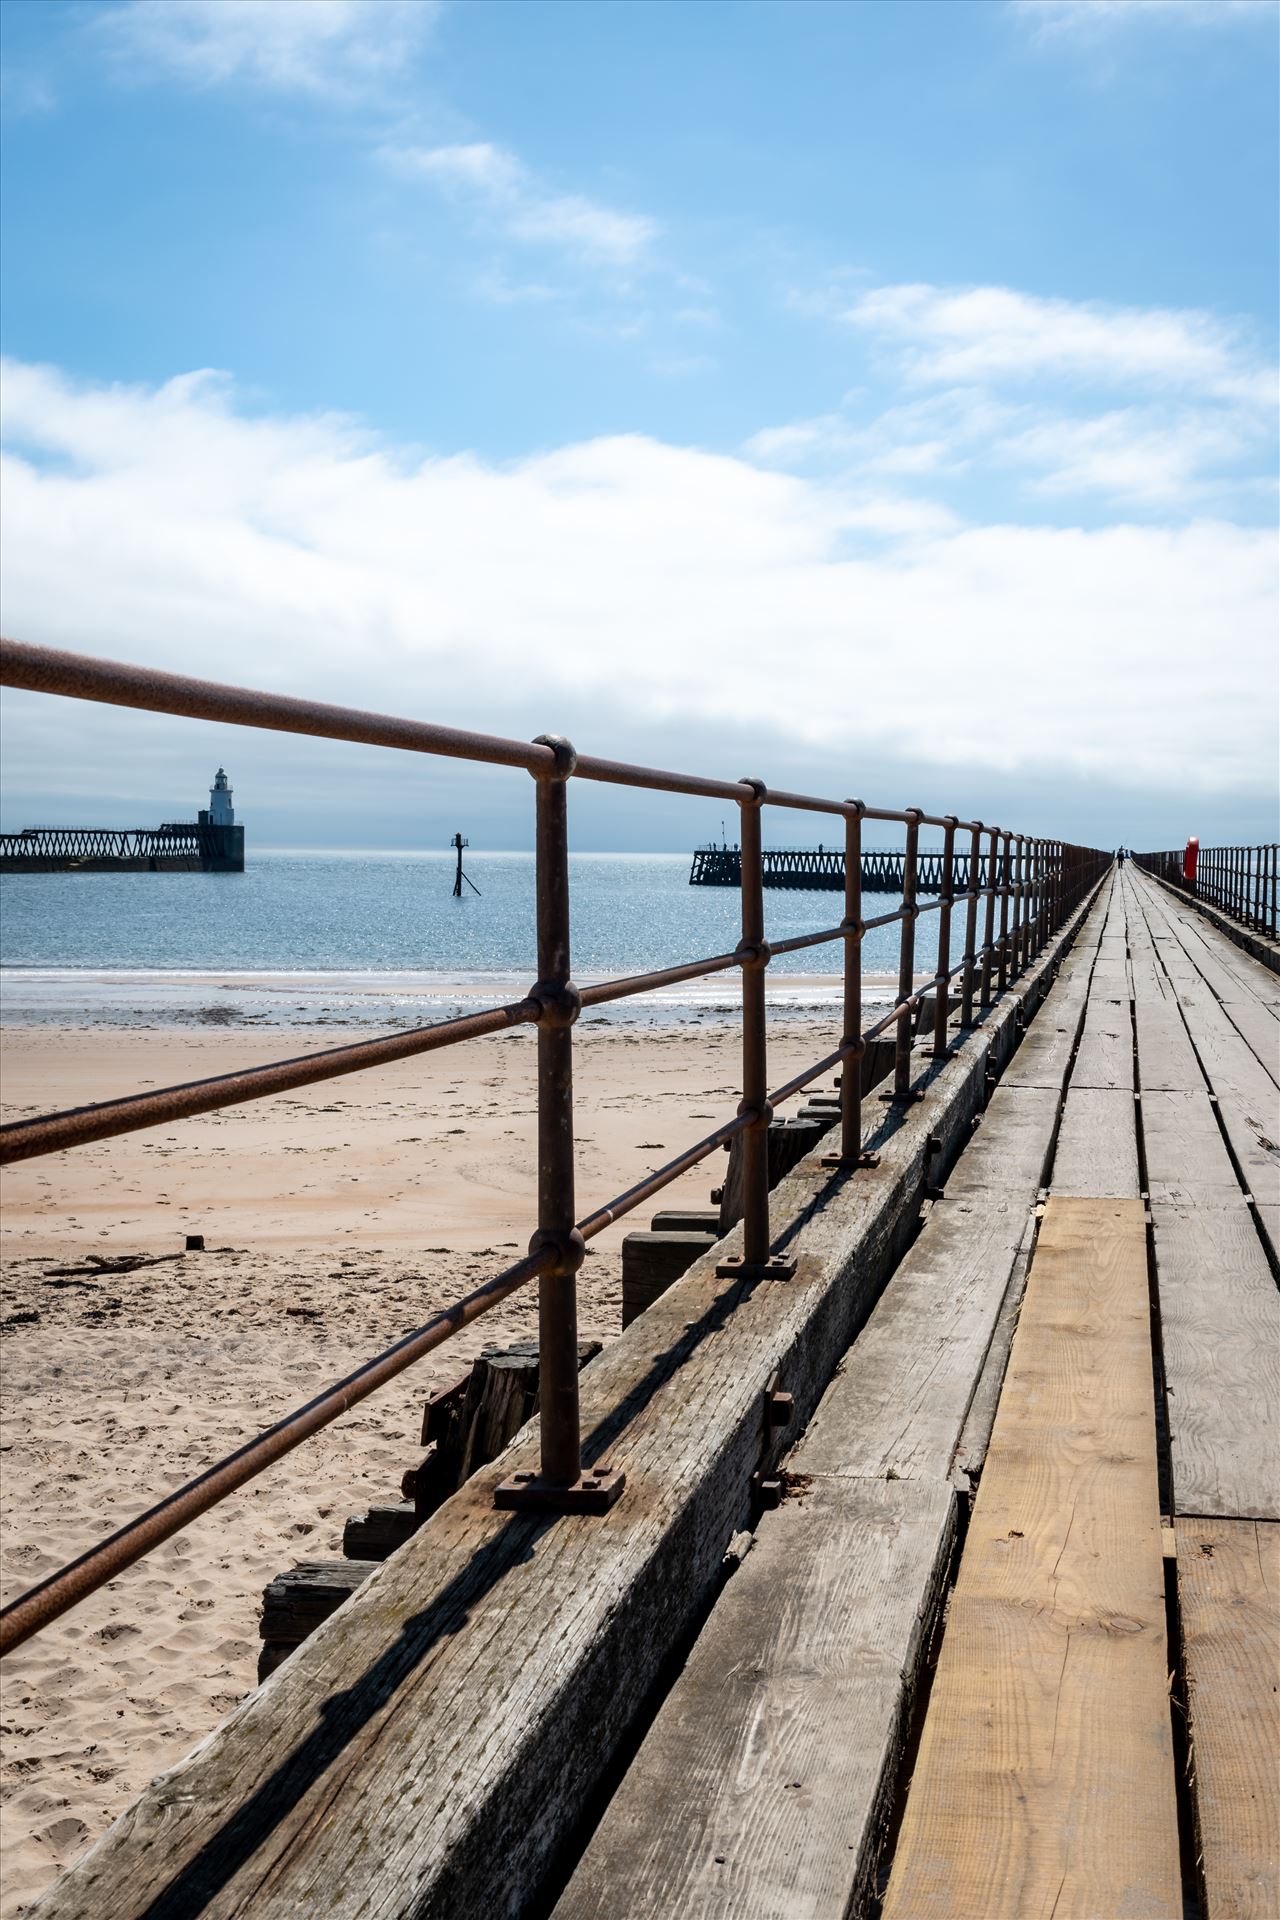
(183,847)
(821,869)
(1034,1360)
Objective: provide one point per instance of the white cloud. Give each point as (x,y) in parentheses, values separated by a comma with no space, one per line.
(639,581)
(945,335)
(935,435)
(323,47)
(507,192)
(1088,19)
(1136,453)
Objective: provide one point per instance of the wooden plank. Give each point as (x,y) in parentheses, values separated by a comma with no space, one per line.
(1187,1160)
(898,1402)
(1009,1152)
(1166,1057)
(1045,1782)
(1047,1045)
(1229,1603)
(975,1438)
(1105,1056)
(1097,1151)
(1220,1327)
(1260,1031)
(761,1788)
(1246,1097)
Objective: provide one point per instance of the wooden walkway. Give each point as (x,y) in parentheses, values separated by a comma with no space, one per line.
(1101,1736)
(1007,1649)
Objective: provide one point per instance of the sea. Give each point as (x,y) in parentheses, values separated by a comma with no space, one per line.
(377,939)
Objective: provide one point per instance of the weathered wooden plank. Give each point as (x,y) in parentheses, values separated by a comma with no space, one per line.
(1045,1782)
(1220,1327)
(1010,1150)
(1229,1602)
(1047,1046)
(1187,1160)
(761,1788)
(1260,1030)
(898,1402)
(1097,1150)
(1246,1096)
(1166,1057)
(1105,1056)
(975,1437)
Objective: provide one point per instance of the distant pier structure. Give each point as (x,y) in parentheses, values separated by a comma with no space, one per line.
(211,843)
(821,869)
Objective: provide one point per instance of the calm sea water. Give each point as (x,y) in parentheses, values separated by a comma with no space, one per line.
(349,936)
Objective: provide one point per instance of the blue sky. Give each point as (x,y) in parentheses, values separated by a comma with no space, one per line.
(882,390)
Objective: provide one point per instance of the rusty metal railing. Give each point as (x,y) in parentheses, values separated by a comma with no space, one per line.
(1240,881)
(1038,883)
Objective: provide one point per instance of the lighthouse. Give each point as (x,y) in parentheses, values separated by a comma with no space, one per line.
(221,812)
(221,840)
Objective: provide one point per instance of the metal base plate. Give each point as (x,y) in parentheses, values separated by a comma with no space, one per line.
(594,1491)
(736,1266)
(838,1160)
(902,1099)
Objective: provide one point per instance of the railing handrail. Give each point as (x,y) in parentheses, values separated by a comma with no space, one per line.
(1242,879)
(1037,881)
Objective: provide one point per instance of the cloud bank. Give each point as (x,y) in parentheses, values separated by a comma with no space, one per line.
(638,581)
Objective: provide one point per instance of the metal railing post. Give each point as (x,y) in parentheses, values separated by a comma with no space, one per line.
(1018,914)
(754,1258)
(906,961)
(561,1485)
(971,926)
(942,984)
(1002,945)
(1036,933)
(851,1153)
(989,918)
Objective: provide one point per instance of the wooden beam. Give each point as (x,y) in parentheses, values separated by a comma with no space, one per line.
(1045,1779)
(1229,1605)
(1220,1329)
(762,1786)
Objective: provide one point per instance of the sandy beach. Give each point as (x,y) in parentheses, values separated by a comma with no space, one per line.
(336,1220)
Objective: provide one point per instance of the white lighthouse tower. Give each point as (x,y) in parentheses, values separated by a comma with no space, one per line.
(221,812)
(221,840)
